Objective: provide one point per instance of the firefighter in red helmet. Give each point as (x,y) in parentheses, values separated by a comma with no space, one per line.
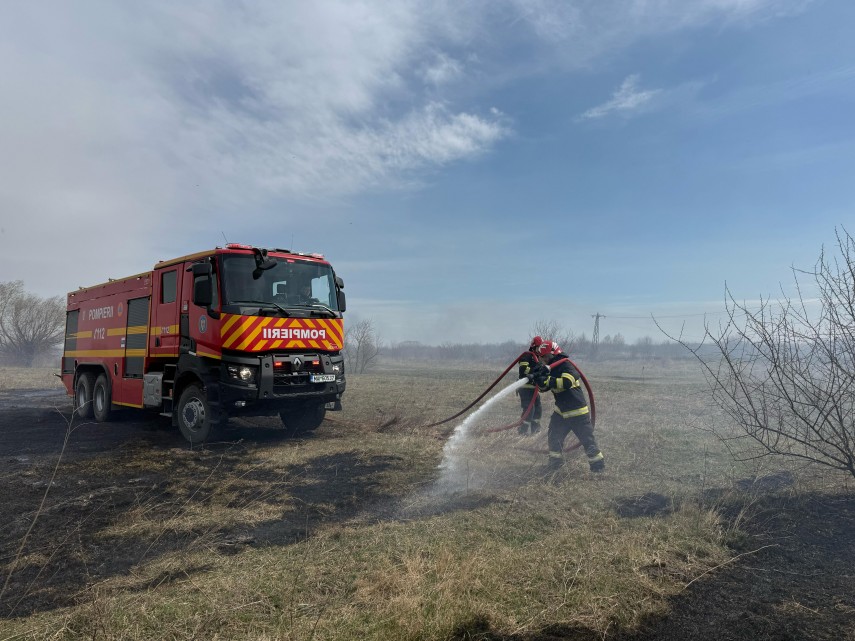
(571,407)
(532,423)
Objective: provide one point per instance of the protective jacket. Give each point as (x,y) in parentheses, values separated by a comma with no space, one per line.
(565,383)
(526,363)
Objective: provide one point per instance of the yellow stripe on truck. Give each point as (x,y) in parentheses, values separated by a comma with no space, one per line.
(138,329)
(158,331)
(113,353)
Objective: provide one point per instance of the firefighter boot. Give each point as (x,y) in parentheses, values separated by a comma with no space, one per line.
(556,461)
(597,463)
(535,427)
(523,428)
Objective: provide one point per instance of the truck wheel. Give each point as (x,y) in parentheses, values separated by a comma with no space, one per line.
(303,419)
(83,395)
(101,402)
(194,415)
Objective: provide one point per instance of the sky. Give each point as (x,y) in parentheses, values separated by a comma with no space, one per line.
(469,167)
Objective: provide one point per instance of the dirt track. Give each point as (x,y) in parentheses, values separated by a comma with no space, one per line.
(795,578)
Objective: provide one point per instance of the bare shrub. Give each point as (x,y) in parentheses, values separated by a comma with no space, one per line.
(784,371)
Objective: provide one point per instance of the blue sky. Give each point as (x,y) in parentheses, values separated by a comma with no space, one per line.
(470,168)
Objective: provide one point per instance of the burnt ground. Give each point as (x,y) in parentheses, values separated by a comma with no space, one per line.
(138,464)
(792,575)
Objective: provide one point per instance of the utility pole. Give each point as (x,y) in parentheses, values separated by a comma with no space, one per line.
(596,339)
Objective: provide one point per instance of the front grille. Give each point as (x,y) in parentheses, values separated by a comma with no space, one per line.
(288,378)
(287,374)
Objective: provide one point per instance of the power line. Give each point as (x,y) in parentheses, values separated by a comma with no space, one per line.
(652,316)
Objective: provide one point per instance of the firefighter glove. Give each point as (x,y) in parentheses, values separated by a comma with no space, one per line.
(540,380)
(536,371)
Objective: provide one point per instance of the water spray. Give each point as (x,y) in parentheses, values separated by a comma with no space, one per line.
(451,460)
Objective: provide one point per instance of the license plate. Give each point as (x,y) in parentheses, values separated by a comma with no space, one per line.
(322,378)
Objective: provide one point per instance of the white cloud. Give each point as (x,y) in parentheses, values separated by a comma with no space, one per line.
(286,96)
(122,120)
(443,70)
(761,96)
(625,100)
(585,30)
(282,98)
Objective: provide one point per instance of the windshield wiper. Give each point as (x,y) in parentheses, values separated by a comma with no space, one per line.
(316,306)
(262,304)
(329,310)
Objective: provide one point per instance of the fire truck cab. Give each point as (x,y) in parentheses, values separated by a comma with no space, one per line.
(237,330)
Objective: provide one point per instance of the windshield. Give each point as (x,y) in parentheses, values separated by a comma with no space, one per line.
(290,284)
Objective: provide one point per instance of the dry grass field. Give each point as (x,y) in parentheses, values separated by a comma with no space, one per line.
(14,378)
(356,532)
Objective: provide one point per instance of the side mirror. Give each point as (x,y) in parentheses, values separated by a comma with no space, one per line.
(339,282)
(342,301)
(262,262)
(203,294)
(201,269)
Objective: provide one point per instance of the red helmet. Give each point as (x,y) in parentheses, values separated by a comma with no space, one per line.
(546,348)
(537,340)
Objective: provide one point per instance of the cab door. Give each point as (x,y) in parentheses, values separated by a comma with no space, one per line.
(200,327)
(163,334)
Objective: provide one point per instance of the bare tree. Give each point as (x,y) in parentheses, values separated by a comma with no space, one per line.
(551,330)
(29,325)
(784,371)
(361,346)
(642,348)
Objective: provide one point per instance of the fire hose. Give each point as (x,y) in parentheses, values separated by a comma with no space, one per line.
(483,394)
(528,409)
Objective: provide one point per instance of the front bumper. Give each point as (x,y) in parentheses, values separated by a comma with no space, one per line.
(273,391)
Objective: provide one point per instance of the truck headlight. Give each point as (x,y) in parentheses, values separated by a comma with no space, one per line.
(242,373)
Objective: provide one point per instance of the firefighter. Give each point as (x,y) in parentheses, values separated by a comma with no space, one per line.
(302,294)
(305,295)
(531,425)
(571,407)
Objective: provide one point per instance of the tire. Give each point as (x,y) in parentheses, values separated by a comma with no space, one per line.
(102,404)
(305,418)
(194,415)
(83,395)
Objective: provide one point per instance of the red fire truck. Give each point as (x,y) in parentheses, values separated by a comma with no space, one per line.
(237,330)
